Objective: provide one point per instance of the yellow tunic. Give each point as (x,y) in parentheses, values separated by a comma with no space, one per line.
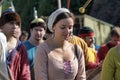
(111,65)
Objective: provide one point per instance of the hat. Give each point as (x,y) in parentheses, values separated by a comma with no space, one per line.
(38,22)
(85,31)
(54,15)
(8,16)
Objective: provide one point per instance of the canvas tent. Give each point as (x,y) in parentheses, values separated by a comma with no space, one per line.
(101,28)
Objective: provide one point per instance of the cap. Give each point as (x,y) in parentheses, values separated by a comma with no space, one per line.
(54,15)
(85,31)
(38,22)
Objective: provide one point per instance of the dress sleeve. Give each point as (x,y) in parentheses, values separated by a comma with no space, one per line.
(81,75)
(40,64)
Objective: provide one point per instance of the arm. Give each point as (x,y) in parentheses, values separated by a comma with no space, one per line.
(100,54)
(40,64)
(81,75)
(3,47)
(25,73)
(0,49)
(102,51)
(92,60)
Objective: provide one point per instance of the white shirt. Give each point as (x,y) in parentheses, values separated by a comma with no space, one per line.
(3,43)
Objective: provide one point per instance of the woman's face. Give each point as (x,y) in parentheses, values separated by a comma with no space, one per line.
(63,28)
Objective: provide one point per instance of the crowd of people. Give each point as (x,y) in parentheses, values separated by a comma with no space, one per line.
(52,52)
(17,63)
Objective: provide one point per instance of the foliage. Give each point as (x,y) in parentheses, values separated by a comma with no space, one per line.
(44,8)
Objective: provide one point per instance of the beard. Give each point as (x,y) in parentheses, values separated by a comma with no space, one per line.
(37,39)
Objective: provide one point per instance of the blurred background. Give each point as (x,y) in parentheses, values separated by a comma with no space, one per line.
(100,15)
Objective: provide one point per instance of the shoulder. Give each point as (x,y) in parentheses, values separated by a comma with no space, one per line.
(42,50)
(20,45)
(28,45)
(2,36)
(113,51)
(92,50)
(26,42)
(43,46)
(79,49)
(112,55)
(119,48)
(103,47)
(78,40)
(3,40)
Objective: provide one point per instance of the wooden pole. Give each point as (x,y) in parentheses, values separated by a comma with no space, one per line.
(59,3)
(0,10)
(68,4)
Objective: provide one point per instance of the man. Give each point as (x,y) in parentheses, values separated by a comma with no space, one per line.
(87,34)
(79,41)
(24,36)
(37,30)
(111,64)
(114,40)
(17,59)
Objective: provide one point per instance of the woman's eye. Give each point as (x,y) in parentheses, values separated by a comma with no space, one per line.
(62,27)
(70,27)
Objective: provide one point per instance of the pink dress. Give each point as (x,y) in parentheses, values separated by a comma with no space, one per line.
(49,68)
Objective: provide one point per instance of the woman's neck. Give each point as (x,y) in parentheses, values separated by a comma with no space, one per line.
(57,43)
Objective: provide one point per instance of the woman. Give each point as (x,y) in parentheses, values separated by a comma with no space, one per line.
(56,58)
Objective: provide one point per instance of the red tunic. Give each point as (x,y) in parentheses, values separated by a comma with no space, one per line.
(103,50)
(19,65)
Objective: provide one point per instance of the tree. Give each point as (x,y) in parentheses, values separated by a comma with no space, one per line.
(44,8)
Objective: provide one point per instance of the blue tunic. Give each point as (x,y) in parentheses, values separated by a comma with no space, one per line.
(31,51)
